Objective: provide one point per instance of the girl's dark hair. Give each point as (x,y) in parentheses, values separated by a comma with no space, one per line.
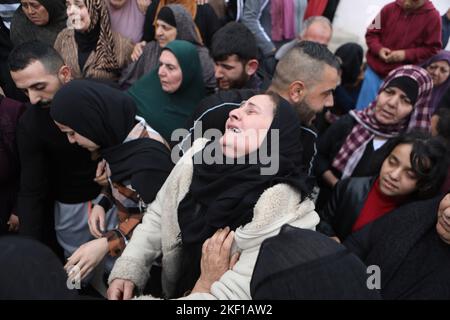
(429,160)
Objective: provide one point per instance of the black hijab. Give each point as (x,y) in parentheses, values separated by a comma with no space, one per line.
(23,30)
(223,195)
(86,43)
(301,264)
(106,116)
(351,55)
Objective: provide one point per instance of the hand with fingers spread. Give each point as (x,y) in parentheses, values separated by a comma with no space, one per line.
(120,289)
(96,221)
(443,223)
(216,259)
(86,258)
(101,175)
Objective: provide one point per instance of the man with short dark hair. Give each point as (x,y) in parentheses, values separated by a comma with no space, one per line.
(55,175)
(235,54)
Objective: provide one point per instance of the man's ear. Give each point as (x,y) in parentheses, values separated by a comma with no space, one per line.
(297,91)
(251,67)
(65,74)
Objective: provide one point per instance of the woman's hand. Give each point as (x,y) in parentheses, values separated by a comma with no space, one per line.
(216,259)
(138,50)
(13,223)
(101,175)
(120,289)
(86,258)
(96,221)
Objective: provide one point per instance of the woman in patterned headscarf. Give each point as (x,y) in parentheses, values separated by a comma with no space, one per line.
(355,145)
(88,45)
(38,20)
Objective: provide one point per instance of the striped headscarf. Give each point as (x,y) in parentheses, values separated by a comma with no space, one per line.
(189,5)
(368,127)
(105,57)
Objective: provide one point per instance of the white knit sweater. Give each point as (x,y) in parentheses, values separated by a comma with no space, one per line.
(159,234)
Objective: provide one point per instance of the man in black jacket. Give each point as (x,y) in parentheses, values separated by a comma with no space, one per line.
(56,177)
(235,54)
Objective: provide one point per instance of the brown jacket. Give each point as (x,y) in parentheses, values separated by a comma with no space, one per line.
(65,44)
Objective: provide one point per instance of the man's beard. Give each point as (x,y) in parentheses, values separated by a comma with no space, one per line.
(44,104)
(305,113)
(239,83)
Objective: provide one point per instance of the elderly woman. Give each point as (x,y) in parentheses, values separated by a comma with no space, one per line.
(206,20)
(168,95)
(355,144)
(201,196)
(136,162)
(39,20)
(88,46)
(439,69)
(173,22)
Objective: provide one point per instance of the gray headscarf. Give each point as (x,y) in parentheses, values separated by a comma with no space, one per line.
(23,30)
(150,56)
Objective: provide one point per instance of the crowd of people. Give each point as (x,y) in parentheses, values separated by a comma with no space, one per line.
(205,149)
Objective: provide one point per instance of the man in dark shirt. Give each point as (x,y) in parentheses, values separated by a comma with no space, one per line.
(55,175)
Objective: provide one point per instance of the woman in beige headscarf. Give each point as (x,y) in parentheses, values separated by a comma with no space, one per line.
(88,45)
